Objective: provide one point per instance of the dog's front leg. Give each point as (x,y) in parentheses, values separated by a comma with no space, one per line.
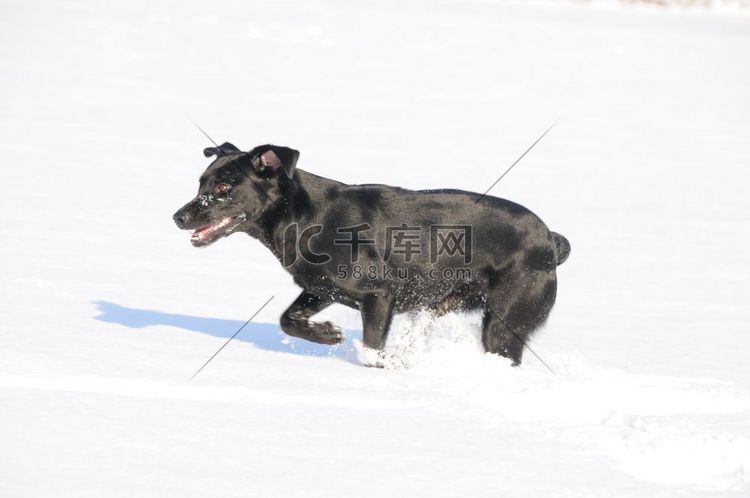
(377,311)
(295,320)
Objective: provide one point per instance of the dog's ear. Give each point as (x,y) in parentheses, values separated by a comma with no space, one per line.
(224,148)
(275,158)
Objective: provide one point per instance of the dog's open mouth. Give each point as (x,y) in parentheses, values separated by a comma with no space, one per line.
(225,226)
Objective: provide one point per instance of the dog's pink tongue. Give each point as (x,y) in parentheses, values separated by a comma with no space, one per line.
(198,234)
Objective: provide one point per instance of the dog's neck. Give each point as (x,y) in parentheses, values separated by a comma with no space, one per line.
(296,205)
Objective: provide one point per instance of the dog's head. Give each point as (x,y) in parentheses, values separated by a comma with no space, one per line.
(235,190)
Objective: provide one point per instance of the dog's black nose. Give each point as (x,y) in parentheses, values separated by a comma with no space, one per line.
(180,218)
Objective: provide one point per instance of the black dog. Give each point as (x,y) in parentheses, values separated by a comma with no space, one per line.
(382,249)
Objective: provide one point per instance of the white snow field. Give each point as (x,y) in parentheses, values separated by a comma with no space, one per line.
(107,310)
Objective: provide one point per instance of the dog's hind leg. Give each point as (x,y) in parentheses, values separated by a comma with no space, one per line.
(516,309)
(295,320)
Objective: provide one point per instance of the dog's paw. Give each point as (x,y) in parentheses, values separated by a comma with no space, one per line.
(326,333)
(369,357)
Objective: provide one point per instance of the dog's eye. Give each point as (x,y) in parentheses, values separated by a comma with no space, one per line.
(223,188)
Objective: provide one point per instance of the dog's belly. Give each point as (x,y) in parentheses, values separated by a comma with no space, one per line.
(409,295)
(467,297)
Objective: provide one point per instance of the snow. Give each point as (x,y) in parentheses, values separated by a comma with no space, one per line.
(108,310)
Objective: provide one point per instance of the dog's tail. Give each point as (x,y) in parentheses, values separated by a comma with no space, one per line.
(562,247)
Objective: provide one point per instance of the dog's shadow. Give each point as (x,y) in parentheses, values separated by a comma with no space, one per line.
(267,336)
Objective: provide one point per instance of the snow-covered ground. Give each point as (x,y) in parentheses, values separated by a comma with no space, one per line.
(107,310)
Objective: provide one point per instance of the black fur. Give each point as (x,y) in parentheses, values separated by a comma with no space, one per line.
(306,221)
